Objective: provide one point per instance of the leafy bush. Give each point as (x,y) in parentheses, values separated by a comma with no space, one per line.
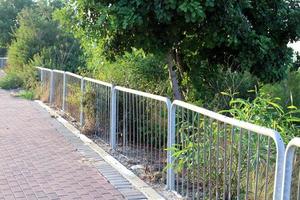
(207,84)
(11,81)
(27,94)
(266,111)
(287,90)
(136,70)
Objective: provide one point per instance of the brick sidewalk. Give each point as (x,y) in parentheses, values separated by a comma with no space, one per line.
(37,162)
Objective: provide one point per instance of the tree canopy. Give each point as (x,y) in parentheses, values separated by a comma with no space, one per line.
(40,40)
(9,10)
(241,35)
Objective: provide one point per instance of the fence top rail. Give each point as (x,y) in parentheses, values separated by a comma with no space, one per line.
(74,75)
(98,82)
(58,71)
(144,94)
(228,120)
(45,69)
(295,142)
(3,57)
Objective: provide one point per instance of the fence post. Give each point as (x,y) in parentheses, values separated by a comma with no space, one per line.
(51,87)
(288,168)
(81,101)
(287,177)
(113,117)
(42,75)
(64,93)
(171,142)
(279,170)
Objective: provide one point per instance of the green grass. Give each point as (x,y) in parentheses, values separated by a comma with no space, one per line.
(11,81)
(26,94)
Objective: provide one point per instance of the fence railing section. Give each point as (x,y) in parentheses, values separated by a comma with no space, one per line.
(142,129)
(3,61)
(291,184)
(217,157)
(97,108)
(58,85)
(73,95)
(198,153)
(45,76)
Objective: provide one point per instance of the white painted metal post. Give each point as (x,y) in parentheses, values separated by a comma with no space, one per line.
(81,101)
(64,93)
(113,118)
(279,170)
(171,142)
(51,87)
(288,168)
(42,75)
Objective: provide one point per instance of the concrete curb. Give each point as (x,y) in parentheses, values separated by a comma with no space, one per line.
(139,184)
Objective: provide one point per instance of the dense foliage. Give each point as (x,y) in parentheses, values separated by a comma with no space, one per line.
(288,90)
(198,35)
(9,10)
(41,41)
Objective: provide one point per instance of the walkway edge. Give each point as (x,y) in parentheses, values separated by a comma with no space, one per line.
(139,184)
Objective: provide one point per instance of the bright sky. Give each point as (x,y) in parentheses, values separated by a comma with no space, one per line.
(295,46)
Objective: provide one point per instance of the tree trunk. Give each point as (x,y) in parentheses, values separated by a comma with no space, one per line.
(173,77)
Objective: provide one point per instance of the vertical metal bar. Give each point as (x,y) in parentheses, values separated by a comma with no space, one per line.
(117,117)
(288,165)
(171,142)
(147,128)
(257,167)
(181,134)
(151,130)
(210,159)
(193,154)
(159,137)
(51,87)
(113,118)
(137,125)
(155,132)
(225,163)
(298,186)
(124,122)
(267,169)
(64,92)
(231,159)
(239,165)
(177,138)
(198,139)
(248,164)
(81,101)
(217,159)
(186,145)
(42,75)
(204,154)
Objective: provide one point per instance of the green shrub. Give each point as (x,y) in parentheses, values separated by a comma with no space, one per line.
(136,70)
(11,81)
(208,86)
(287,90)
(266,111)
(26,94)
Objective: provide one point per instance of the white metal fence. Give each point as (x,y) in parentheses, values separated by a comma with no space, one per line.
(291,184)
(223,158)
(3,62)
(198,153)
